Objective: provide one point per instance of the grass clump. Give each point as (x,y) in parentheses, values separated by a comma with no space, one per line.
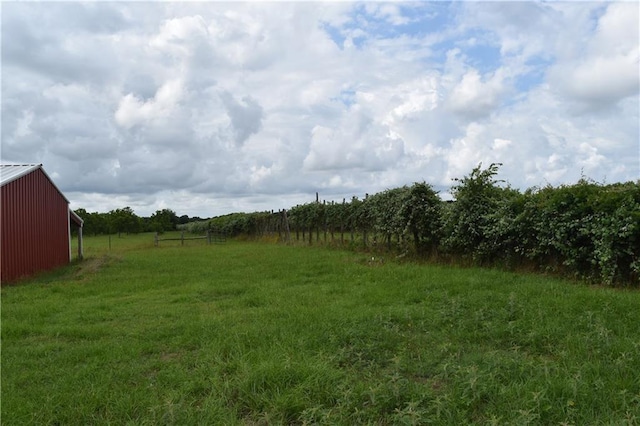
(250,333)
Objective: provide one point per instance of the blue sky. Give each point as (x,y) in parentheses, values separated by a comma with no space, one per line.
(209,108)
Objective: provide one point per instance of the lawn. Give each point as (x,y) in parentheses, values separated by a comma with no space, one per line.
(257,333)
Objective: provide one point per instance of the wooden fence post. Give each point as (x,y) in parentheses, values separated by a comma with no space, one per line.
(182,238)
(287,230)
(80,248)
(324,203)
(155,239)
(344,201)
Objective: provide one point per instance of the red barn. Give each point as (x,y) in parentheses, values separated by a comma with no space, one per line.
(36,223)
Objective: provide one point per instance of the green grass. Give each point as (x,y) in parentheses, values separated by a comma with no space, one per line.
(254,333)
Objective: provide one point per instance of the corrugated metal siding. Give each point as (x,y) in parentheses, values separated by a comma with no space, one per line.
(34,229)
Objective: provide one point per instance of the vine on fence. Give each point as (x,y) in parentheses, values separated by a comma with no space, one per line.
(587,230)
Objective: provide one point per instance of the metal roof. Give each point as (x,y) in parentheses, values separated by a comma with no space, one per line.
(11,172)
(73,216)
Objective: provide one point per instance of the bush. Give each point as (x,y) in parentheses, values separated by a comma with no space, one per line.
(421,214)
(586,230)
(472,224)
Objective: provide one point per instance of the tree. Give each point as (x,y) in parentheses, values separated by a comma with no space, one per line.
(124,220)
(94,223)
(163,220)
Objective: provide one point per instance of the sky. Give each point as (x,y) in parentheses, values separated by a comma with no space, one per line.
(209,108)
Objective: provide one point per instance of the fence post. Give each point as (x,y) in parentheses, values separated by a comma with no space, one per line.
(209,236)
(80,248)
(287,229)
(344,201)
(182,238)
(324,203)
(155,239)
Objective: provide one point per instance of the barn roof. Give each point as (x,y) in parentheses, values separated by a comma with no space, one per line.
(11,172)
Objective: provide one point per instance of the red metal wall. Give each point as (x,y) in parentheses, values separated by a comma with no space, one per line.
(35,227)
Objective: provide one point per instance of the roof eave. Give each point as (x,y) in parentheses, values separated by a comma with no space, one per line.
(73,216)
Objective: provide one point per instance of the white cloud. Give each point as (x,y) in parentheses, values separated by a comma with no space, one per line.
(245,115)
(209,108)
(609,68)
(591,160)
(605,78)
(358,142)
(466,152)
(501,144)
(176,34)
(133,111)
(475,97)
(388,11)
(23,125)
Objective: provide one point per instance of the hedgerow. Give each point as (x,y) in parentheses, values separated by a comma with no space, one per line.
(587,230)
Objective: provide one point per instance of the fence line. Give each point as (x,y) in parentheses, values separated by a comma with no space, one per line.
(211,237)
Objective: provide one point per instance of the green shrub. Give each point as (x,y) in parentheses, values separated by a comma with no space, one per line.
(587,230)
(472,222)
(421,214)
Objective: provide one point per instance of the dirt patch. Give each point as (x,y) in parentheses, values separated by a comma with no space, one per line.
(92,265)
(170,356)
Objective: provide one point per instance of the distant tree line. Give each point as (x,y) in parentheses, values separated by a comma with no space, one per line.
(125,221)
(586,230)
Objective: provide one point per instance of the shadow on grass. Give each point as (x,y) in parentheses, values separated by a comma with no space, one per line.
(76,270)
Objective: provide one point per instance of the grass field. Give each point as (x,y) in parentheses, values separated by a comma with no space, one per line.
(256,333)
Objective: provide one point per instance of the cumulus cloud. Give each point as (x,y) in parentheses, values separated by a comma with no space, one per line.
(245,116)
(607,71)
(357,143)
(209,108)
(474,97)
(133,110)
